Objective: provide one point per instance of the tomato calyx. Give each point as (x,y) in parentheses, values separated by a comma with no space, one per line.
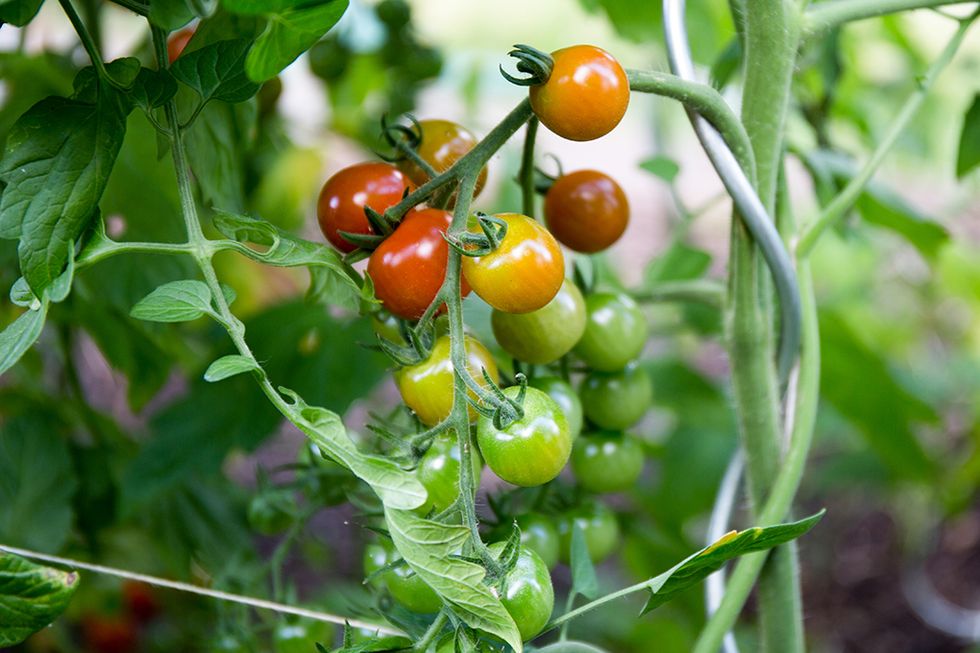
(534,63)
(418,343)
(476,244)
(503,410)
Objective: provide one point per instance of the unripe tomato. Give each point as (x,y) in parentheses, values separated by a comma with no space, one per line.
(545,335)
(528,595)
(599,526)
(615,332)
(532,450)
(177,41)
(585,96)
(616,400)
(443,144)
(438,471)
(344,196)
(566,398)
(538,533)
(524,273)
(408,268)
(404,585)
(386,325)
(427,387)
(586,211)
(607,461)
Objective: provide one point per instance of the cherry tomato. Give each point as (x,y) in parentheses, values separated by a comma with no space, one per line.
(438,471)
(528,595)
(427,387)
(443,144)
(616,400)
(109,634)
(615,332)
(386,325)
(607,461)
(140,601)
(177,41)
(566,398)
(524,273)
(586,95)
(408,268)
(598,524)
(545,335)
(586,211)
(538,533)
(404,585)
(344,196)
(532,450)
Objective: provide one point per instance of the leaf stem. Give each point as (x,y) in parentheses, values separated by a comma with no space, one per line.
(431,632)
(702,291)
(87,41)
(824,16)
(134,6)
(527,168)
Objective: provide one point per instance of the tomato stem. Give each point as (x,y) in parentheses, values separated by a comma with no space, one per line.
(824,16)
(527,168)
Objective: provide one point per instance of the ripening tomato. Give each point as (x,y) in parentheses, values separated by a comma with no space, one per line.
(585,96)
(344,196)
(177,41)
(438,471)
(615,332)
(607,461)
(598,524)
(405,585)
(566,398)
(532,450)
(427,387)
(408,268)
(528,595)
(443,144)
(616,400)
(524,273)
(586,211)
(545,335)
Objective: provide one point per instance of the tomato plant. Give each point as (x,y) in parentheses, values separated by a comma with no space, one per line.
(438,470)
(586,210)
(545,335)
(616,400)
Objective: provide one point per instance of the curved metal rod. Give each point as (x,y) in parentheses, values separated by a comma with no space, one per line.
(938,611)
(714,588)
(750,207)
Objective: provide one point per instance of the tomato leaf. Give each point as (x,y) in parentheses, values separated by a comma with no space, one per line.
(170,14)
(31,597)
(679,262)
(19,12)
(709,559)
(153,88)
(968,154)
(20,335)
(217,147)
(228,366)
(584,579)
(662,166)
(217,71)
(177,301)
(289,34)
(258,7)
(430,549)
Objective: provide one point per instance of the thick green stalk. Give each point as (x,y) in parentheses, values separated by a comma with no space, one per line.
(527,168)
(823,16)
(771,39)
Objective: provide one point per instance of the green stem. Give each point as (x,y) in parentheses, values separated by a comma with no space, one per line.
(841,204)
(705,101)
(87,41)
(431,632)
(134,6)
(92,255)
(527,168)
(824,16)
(702,291)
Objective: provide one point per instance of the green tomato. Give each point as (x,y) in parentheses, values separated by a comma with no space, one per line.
(566,398)
(607,461)
(404,585)
(598,524)
(528,595)
(545,335)
(615,332)
(538,533)
(532,450)
(301,638)
(386,325)
(438,470)
(616,400)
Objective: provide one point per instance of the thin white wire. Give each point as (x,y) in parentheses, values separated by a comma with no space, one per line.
(202,591)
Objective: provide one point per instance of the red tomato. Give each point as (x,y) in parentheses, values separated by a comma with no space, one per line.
(344,196)
(105,634)
(586,211)
(178,41)
(408,268)
(140,601)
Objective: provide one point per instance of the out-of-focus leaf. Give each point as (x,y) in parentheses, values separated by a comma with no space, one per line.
(968,154)
(709,559)
(170,14)
(679,262)
(153,88)
(217,145)
(19,12)
(284,192)
(858,383)
(584,579)
(20,335)
(662,166)
(289,34)
(29,79)
(31,597)
(217,71)
(570,647)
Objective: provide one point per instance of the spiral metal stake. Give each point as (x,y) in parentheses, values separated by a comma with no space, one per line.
(763,230)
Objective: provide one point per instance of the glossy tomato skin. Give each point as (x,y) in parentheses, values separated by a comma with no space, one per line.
(524,273)
(545,335)
(408,268)
(586,95)
(177,41)
(607,461)
(344,196)
(427,387)
(615,332)
(404,585)
(538,533)
(443,143)
(616,400)
(566,398)
(532,450)
(586,211)
(528,595)
(438,471)
(598,524)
